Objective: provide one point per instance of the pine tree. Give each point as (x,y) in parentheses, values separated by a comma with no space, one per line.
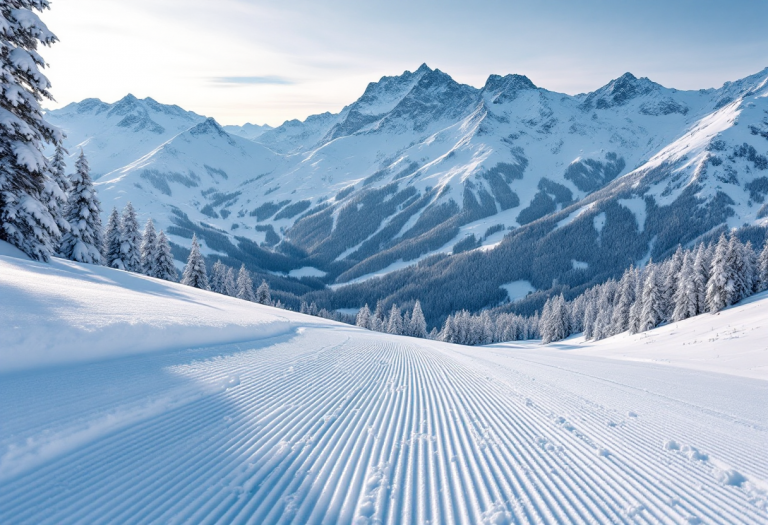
(230,283)
(149,249)
(245,285)
(699,277)
(25,217)
(763,267)
(113,256)
(449,332)
(686,295)
(363,318)
(130,246)
(720,279)
(218,277)
(636,310)
(395,321)
(554,320)
(195,274)
(418,323)
(164,268)
(652,314)
(486,328)
(751,269)
(620,320)
(737,264)
(590,317)
(263,293)
(59,168)
(668,282)
(56,192)
(377,321)
(83,242)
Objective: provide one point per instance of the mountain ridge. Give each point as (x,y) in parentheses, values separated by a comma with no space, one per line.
(421,166)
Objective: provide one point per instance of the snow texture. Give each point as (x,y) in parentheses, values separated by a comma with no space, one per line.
(227,411)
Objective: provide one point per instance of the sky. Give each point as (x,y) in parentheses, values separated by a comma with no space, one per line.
(269,61)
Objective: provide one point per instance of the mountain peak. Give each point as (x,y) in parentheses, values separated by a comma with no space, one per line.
(619,91)
(208,127)
(503,89)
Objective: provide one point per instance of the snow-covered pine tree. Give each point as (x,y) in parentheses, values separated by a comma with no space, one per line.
(218,277)
(395,321)
(486,328)
(590,316)
(720,278)
(763,267)
(113,256)
(148,248)
(83,242)
(164,267)
(304,308)
(608,292)
(626,296)
(448,333)
(56,192)
(312,308)
(377,321)
(751,271)
(363,318)
(195,274)
(554,320)
(264,294)
(686,295)
(245,285)
(230,283)
(636,310)
(406,323)
(668,281)
(699,277)
(58,168)
(25,219)
(738,267)
(652,314)
(418,323)
(130,245)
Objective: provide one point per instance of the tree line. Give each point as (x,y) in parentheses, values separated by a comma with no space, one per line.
(705,278)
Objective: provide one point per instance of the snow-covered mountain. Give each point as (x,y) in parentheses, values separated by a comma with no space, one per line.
(577,187)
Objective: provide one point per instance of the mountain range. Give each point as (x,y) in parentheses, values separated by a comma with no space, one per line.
(425,188)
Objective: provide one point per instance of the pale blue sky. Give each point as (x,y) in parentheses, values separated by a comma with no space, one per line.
(268,61)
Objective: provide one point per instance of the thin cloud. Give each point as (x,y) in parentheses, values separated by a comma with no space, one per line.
(252,80)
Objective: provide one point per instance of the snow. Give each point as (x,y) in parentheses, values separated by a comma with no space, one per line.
(599,222)
(308,421)
(733,341)
(517,290)
(574,215)
(93,312)
(579,265)
(306,271)
(148,153)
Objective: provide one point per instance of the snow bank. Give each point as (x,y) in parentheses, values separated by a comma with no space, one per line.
(65,312)
(733,341)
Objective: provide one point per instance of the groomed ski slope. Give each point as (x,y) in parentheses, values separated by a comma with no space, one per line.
(317,422)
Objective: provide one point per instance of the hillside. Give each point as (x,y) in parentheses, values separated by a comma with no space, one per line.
(182,405)
(422,169)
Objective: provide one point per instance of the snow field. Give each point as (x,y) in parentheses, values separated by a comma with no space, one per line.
(65,312)
(325,423)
